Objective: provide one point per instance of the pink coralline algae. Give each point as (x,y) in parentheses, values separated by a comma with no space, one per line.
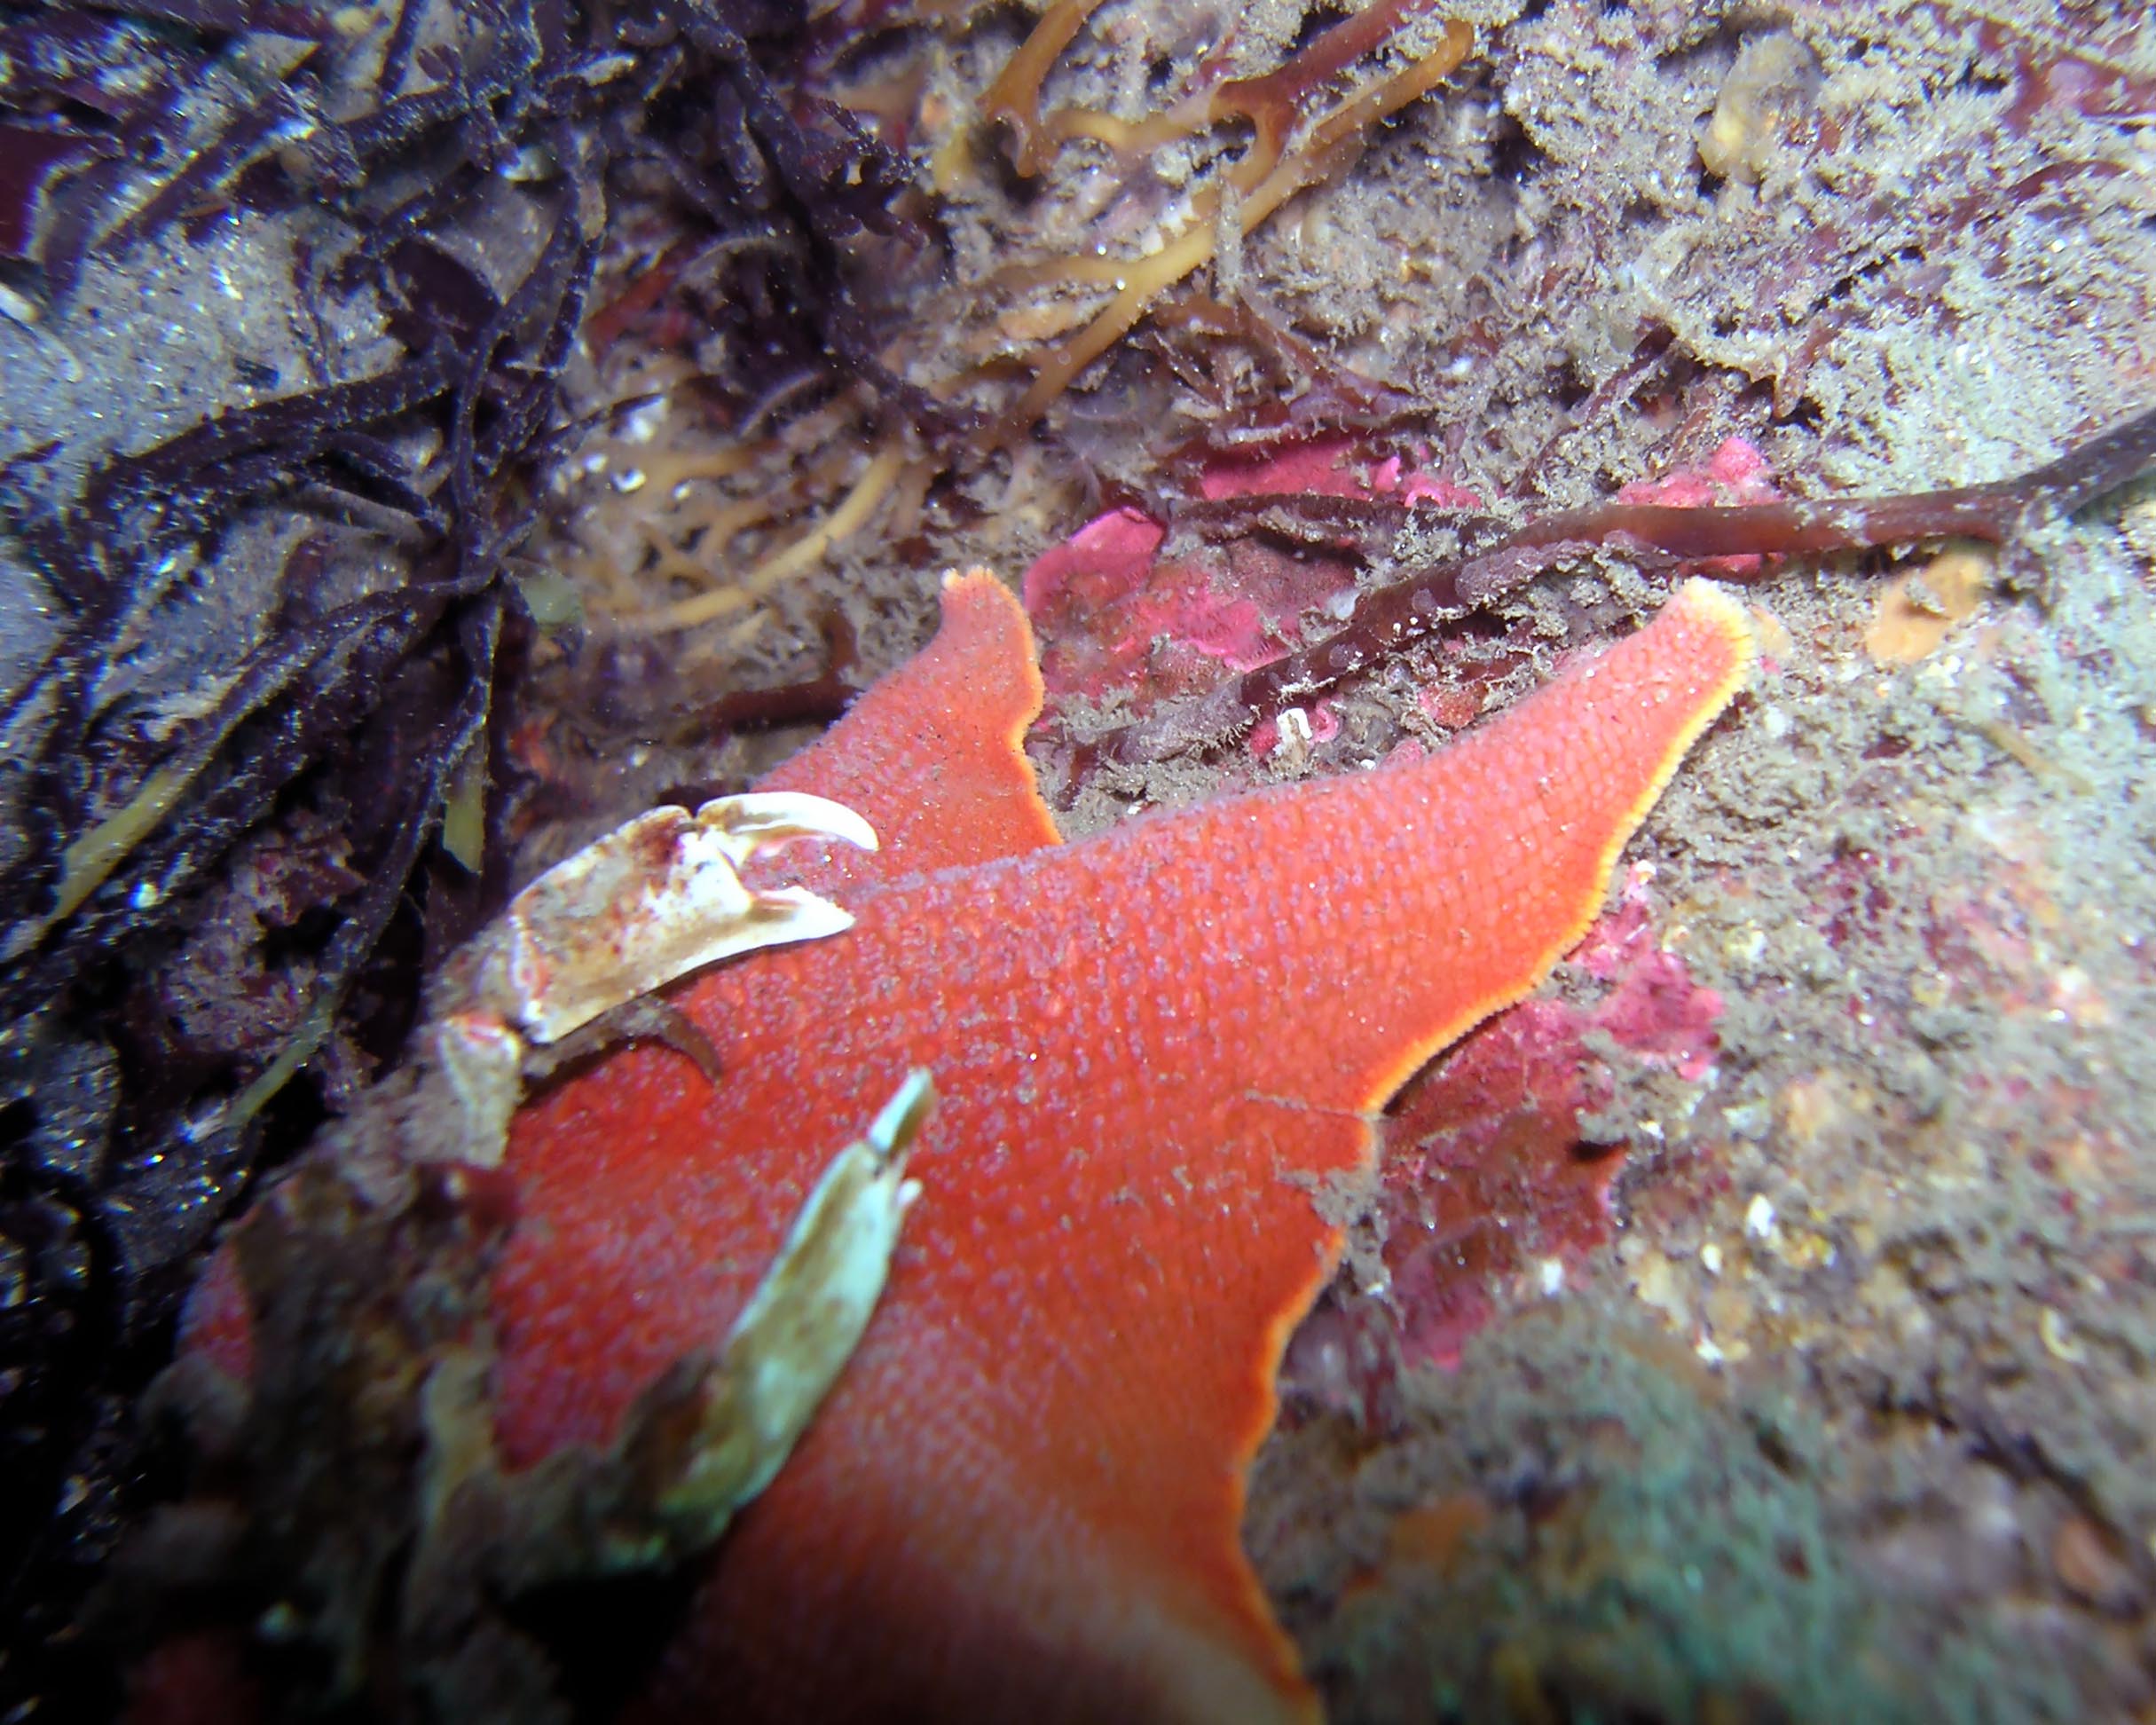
(1111,613)
(1486,1175)
(1488,1185)
(1736,473)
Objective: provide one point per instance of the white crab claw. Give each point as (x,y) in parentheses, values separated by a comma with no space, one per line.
(654,899)
(892,1132)
(761,819)
(839,1250)
(807,1317)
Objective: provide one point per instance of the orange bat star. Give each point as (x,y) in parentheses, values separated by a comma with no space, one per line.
(1155,1047)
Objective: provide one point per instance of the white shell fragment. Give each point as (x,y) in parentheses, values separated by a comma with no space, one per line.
(660,896)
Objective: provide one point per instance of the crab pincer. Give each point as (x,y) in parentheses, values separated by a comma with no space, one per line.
(657,898)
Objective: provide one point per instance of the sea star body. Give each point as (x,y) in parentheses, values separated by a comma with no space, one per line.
(1155,1049)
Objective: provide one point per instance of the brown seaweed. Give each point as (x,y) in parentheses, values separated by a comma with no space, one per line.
(126,1134)
(1496,561)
